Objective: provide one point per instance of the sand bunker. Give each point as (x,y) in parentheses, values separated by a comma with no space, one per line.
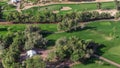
(66,8)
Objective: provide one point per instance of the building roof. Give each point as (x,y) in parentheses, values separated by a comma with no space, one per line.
(15,1)
(31,53)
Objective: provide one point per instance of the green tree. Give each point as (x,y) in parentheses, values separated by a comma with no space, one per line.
(33,38)
(99,5)
(35,62)
(73,49)
(117,4)
(11,56)
(67,25)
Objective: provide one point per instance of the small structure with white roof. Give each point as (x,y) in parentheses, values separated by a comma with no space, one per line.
(31,53)
(15,1)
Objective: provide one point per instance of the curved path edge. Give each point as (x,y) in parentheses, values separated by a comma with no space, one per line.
(107,60)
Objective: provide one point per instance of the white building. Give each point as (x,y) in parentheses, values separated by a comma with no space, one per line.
(31,53)
(15,1)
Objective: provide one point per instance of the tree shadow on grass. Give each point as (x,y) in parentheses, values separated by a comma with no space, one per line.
(98,51)
(45,33)
(81,29)
(51,43)
(3,29)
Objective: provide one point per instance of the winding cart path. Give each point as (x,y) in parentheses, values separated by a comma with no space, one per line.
(107,60)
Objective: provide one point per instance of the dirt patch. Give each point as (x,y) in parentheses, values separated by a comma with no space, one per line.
(108,38)
(5,23)
(112,12)
(56,12)
(66,8)
(103,0)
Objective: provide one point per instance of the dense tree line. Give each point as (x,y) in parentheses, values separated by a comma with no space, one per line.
(49,17)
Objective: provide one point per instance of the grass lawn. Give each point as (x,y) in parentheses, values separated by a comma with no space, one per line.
(75,7)
(93,65)
(20,27)
(103,32)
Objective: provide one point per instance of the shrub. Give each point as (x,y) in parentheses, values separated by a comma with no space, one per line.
(95,15)
(35,62)
(33,38)
(105,16)
(67,25)
(117,15)
(99,5)
(85,16)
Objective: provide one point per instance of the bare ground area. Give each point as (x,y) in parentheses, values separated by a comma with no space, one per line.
(103,0)
(112,12)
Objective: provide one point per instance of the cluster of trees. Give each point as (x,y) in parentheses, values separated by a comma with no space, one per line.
(46,17)
(67,25)
(11,55)
(49,17)
(34,38)
(14,43)
(73,49)
(71,20)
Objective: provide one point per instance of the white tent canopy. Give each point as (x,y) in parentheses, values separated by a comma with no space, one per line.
(31,53)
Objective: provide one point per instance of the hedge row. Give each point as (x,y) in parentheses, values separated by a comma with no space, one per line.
(49,17)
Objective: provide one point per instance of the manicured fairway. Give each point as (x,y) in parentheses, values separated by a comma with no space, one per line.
(20,27)
(75,7)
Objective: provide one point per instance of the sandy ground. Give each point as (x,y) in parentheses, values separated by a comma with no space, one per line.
(65,8)
(112,12)
(103,0)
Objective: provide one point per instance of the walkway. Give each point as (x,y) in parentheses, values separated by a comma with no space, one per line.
(107,60)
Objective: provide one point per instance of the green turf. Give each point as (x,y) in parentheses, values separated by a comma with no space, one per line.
(20,27)
(93,65)
(75,7)
(104,32)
